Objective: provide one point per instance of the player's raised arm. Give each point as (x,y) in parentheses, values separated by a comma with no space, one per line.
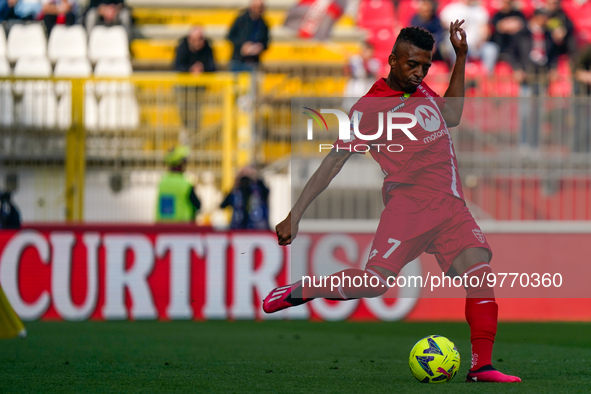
(329,168)
(452,111)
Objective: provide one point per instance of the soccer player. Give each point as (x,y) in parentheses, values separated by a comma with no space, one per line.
(424,206)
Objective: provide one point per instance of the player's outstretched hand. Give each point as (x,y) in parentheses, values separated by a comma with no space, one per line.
(457,36)
(286,232)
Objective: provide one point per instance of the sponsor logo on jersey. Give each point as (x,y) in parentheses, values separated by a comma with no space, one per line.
(397,107)
(428,118)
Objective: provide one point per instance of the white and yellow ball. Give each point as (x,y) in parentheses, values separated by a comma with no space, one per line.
(434,359)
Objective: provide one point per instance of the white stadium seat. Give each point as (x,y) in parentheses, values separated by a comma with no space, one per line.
(6,100)
(66,42)
(4,67)
(114,67)
(118,111)
(117,106)
(108,43)
(73,68)
(26,41)
(2,42)
(32,66)
(35,100)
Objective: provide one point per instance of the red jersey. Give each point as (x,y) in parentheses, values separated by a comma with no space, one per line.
(428,159)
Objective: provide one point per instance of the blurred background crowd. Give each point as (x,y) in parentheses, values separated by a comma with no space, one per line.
(528,37)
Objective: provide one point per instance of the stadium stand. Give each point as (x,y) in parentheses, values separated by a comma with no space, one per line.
(158,26)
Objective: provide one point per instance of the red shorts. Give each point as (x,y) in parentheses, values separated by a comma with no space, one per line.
(418,219)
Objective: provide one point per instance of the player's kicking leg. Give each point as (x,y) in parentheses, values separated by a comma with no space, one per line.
(481,314)
(339,288)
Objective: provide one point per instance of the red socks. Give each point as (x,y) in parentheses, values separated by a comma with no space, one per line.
(481,314)
(345,285)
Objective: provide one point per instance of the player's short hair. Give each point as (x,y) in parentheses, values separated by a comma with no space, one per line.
(416,36)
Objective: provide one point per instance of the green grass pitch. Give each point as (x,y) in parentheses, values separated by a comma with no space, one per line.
(278,356)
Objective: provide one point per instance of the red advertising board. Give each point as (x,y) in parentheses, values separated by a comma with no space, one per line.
(184,272)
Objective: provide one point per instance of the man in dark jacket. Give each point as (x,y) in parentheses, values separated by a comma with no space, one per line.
(509,27)
(426,17)
(250,36)
(561,30)
(582,89)
(110,13)
(10,218)
(250,201)
(194,55)
(533,61)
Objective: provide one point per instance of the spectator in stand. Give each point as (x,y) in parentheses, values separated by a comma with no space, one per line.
(477,30)
(28,10)
(59,12)
(561,31)
(533,51)
(10,217)
(250,201)
(533,68)
(582,142)
(249,35)
(7,9)
(108,12)
(194,55)
(583,72)
(363,69)
(509,25)
(427,18)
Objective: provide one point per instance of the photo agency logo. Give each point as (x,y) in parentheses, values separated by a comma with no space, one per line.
(349,129)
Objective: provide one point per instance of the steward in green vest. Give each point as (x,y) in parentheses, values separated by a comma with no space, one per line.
(177,201)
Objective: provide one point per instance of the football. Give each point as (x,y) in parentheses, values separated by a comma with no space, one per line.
(434,359)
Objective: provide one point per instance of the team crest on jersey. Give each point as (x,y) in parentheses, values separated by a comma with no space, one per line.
(373,253)
(478,234)
(428,118)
